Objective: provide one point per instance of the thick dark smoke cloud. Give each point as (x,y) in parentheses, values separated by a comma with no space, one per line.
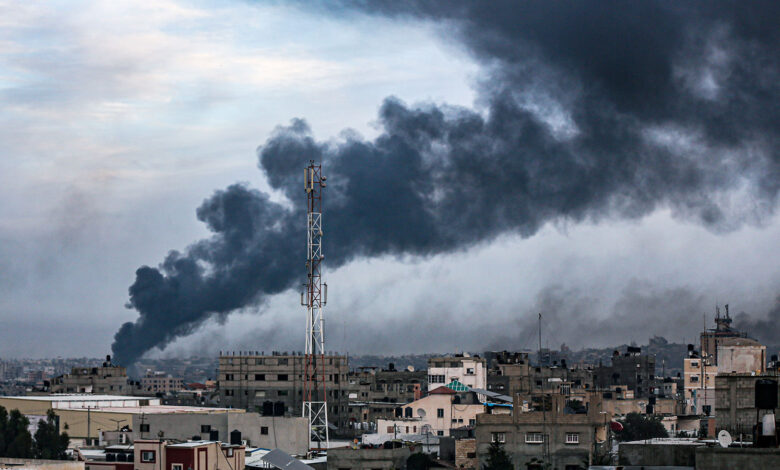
(766,330)
(586,111)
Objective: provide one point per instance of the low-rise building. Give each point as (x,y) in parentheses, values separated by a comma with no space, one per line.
(109,379)
(735,402)
(471,371)
(438,413)
(548,435)
(155,383)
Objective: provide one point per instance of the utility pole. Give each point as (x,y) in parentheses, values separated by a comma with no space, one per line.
(89,422)
(540,339)
(314,298)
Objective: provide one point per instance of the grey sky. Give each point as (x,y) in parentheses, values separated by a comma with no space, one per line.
(117,121)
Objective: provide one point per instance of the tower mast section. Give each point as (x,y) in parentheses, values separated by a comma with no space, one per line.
(314,298)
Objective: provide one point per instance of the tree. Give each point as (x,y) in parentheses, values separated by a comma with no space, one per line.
(637,427)
(17,441)
(497,458)
(419,461)
(49,443)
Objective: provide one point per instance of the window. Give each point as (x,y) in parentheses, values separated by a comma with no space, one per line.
(390,429)
(229,393)
(472,422)
(470,371)
(498,437)
(282,393)
(259,376)
(259,393)
(694,364)
(264,430)
(228,376)
(177,466)
(440,412)
(439,433)
(144,428)
(471,455)
(534,438)
(282,377)
(694,378)
(204,428)
(147,456)
(572,438)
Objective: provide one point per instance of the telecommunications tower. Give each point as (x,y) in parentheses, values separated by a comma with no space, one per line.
(314,298)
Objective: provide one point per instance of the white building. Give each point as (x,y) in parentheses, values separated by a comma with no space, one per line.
(468,370)
(438,413)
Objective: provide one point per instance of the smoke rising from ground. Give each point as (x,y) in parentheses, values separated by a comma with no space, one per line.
(586,112)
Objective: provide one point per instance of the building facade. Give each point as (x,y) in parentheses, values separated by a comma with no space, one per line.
(438,413)
(545,437)
(632,369)
(253,382)
(468,370)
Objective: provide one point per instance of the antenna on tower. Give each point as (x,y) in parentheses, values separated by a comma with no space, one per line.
(314,298)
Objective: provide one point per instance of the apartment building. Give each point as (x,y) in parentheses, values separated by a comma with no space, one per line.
(632,369)
(438,413)
(376,393)
(160,383)
(471,371)
(547,436)
(255,382)
(109,379)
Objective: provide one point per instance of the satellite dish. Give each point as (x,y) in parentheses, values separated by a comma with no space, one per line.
(724,438)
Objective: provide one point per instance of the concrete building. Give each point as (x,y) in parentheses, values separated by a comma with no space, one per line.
(109,379)
(471,371)
(376,393)
(438,413)
(156,454)
(735,405)
(359,459)
(741,355)
(632,369)
(711,338)
(84,417)
(289,434)
(251,382)
(547,435)
(160,383)
(698,385)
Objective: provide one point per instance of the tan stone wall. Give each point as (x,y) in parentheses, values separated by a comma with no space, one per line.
(466,454)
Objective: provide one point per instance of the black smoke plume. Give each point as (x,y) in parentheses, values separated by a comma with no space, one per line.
(586,111)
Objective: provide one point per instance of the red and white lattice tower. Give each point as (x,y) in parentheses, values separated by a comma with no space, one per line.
(314,298)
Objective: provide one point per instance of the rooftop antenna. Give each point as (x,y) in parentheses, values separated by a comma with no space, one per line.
(314,298)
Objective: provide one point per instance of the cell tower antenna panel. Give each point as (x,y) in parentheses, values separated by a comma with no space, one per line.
(315,407)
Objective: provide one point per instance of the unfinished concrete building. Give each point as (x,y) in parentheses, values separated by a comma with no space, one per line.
(547,436)
(632,369)
(273,385)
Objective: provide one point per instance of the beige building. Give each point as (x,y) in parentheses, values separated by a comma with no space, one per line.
(157,382)
(438,413)
(698,385)
(468,370)
(106,380)
(83,417)
(741,355)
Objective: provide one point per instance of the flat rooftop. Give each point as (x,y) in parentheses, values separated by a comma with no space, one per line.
(160,409)
(78,397)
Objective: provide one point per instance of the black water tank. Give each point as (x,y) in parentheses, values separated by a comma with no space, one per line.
(279,408)
(398,412)
(120,457)
(652,400)
(235,437)
(649,409)
(268,408)
(110,457)
(766,394)
(214,435)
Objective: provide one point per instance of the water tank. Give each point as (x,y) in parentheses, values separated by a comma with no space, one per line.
(766,394)
(111,457)
(120,457)
(279,408)
(235,437)
(268,408)
(214,435)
